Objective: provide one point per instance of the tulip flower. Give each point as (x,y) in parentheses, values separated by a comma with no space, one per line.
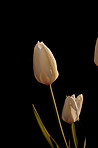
(44,64)
(72,108)
(96,53)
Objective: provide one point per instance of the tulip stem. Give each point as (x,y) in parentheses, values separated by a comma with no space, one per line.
(74,135)
(58,116)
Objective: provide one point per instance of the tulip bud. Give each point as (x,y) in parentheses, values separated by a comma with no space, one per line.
(44,64)
(72,108)
(96,53)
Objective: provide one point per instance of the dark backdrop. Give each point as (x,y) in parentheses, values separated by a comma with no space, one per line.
(71,37)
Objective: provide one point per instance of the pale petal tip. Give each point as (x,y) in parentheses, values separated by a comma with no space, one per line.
(81,95)
(73,95)
(39,44)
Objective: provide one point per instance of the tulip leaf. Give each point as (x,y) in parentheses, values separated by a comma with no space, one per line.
(84,143)
(74,135)
(69,144)
(48,137)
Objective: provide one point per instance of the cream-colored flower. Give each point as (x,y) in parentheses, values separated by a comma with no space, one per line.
(96,53)
(44,64)
(72,108)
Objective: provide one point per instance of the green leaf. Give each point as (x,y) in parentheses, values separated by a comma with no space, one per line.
(48,137)
(84,143)
(74,135)
(69,144)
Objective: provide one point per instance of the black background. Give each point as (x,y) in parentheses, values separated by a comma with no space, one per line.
(70,31)
(71,36)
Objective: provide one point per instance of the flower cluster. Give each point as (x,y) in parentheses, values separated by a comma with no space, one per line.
(46,72)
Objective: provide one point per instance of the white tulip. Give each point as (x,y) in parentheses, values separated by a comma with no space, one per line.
(72,108)
(44,64)
(96,53)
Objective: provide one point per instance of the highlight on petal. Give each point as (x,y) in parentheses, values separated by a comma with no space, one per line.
(72,108)
(96,53)
(44,64)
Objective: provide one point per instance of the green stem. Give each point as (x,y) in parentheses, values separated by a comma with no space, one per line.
(58,117)
(74,135)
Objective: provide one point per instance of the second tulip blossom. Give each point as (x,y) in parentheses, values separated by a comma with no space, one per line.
(72,108)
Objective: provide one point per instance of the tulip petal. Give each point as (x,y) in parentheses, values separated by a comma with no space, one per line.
(44,79)
(51,64)
(36,62)
(69,113)
(96,53)
(79,101)
(74,115)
